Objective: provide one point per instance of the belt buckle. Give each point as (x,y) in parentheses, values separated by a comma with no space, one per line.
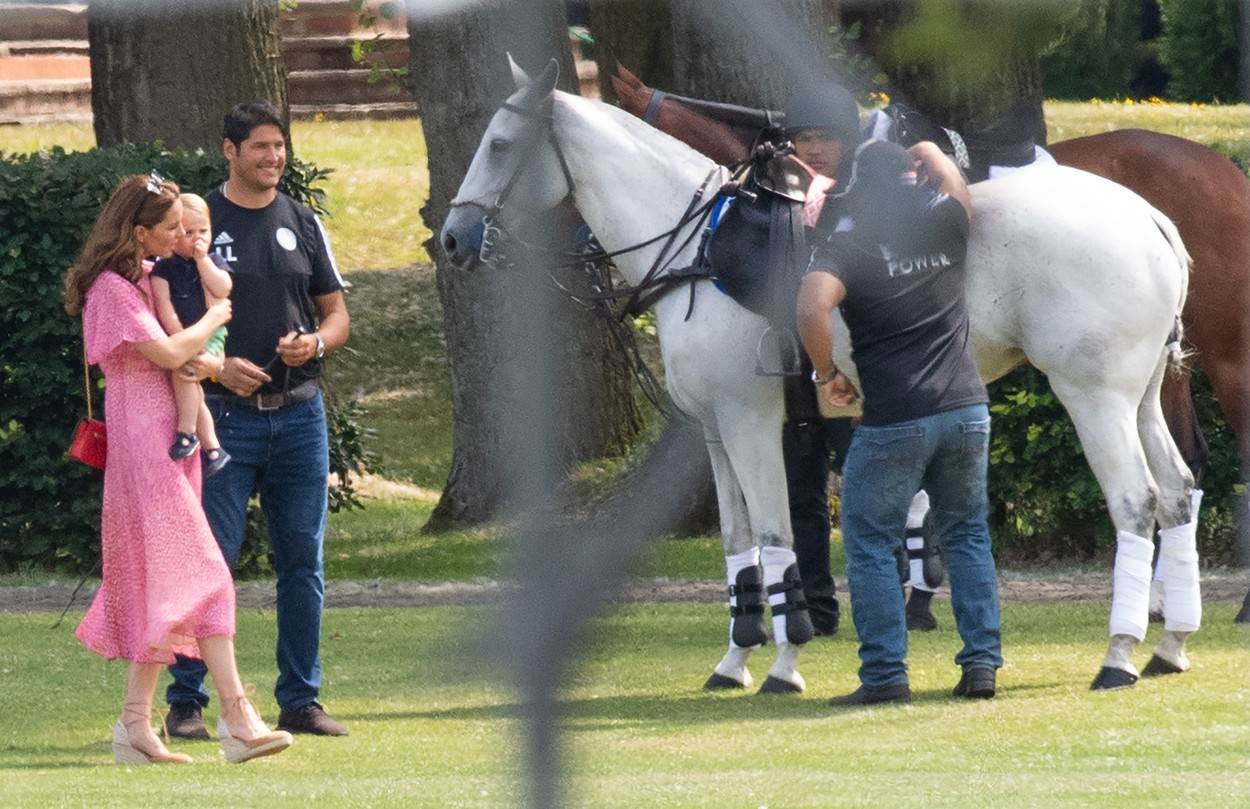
(263,401)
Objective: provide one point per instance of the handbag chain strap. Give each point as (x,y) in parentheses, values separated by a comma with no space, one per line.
(86,374)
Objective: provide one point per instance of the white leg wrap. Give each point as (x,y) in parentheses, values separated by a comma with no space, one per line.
(775,561)
(918,509)
(734,563)
(916,513)
(915,567)
(1178,568)
(1130,594)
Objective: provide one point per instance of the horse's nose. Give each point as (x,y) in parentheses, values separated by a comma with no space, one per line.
(449,243)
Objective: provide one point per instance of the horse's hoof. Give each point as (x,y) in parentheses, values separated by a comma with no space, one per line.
(1110,679)
(1156,617)
(1243,617)
(719,682)
(1158,667)
(776,685)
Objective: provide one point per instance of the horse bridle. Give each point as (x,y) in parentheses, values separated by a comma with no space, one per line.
(493,232)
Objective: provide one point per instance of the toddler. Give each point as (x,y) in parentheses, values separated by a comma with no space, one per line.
(185,284)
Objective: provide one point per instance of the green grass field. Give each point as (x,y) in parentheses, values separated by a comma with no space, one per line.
(429,729)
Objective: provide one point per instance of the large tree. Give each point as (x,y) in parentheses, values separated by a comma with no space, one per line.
(750,52)
(574,404)
(170,72)
(963,63)
(638,35)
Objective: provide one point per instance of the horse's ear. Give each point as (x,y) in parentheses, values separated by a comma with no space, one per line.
(547,82)
(520,78)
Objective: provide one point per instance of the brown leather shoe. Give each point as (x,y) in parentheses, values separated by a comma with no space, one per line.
(310,718)
(186,721)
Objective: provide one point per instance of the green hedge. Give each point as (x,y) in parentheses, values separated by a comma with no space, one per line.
(1045,501)
(49,505)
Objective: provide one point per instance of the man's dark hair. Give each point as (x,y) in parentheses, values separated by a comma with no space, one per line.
(246,116)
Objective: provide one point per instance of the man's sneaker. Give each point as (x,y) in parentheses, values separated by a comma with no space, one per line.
(310,718)
(977,682)
(867,695)
(186,721)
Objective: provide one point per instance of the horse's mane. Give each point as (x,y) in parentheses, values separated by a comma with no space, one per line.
(664,146)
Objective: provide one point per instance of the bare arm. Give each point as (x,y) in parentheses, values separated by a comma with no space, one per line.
(175,350)
(165,306)
(819,295)
(217,282)
(941,172)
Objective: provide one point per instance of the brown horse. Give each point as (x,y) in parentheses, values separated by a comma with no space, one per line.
(1202,191)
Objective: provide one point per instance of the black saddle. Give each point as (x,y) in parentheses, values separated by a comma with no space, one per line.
(758,251)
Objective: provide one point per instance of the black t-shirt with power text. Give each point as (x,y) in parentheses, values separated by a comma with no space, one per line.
(281,260)
(907,315)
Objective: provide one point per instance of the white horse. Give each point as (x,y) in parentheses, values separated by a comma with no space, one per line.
(1065,270)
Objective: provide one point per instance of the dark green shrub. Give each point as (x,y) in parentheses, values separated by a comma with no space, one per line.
(1098,52)
(49,505)
(1200,49)
(1046,504)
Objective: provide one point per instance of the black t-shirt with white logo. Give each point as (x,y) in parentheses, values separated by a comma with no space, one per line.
(186,291)
(281,259)
(907,316)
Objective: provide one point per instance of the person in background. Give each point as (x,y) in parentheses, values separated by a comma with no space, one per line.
(289,312)
(165,589)
(894,265)
(185,284)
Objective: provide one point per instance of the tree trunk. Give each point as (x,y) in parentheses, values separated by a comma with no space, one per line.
(638,35)
(961,64)
(739,53)
(530,371)
(172,75)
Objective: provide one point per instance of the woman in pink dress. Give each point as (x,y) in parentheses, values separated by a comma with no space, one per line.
(166,588)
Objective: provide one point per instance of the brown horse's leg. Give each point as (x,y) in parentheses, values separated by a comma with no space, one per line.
(1178,409)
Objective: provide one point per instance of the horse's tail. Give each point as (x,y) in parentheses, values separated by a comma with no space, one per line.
(1176,353)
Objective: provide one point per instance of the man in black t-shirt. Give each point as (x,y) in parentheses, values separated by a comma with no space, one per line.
(894,265)
(265,397)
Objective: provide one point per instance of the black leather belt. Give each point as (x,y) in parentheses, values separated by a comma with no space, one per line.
(273,401)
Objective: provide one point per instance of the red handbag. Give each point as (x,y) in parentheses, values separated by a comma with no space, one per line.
(90,444)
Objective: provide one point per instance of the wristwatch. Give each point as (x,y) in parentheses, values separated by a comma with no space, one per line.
(321,345)
(827,378)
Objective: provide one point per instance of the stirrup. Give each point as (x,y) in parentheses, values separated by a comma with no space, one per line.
(790,357)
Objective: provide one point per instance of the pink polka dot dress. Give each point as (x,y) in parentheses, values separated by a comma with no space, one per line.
(165,581)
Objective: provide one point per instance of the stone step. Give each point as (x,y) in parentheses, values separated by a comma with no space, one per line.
(44,47)
(50,99)
(335,52)
(384,110)
(26,21)
(31,68)
(342,87)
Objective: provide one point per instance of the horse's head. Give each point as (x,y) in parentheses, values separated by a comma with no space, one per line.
(516,170)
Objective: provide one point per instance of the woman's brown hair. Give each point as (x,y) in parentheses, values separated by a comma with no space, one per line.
(138,199)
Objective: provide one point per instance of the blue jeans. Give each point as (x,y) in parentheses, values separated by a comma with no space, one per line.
(284,456)
(946,454)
